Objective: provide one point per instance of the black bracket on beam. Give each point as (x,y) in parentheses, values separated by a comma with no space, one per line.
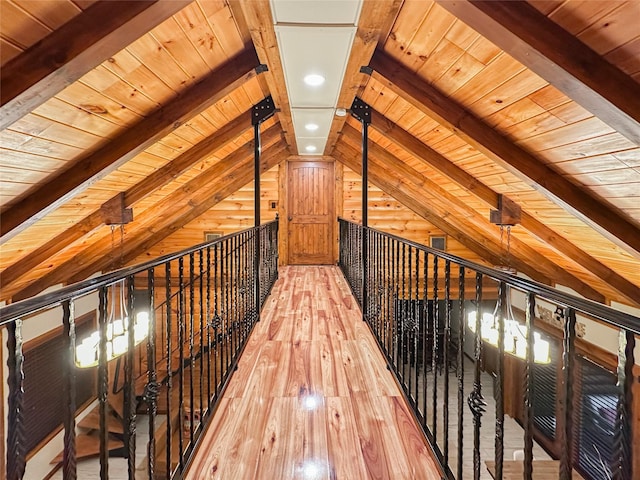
(361,111)
(367,70)
(262,68)
(262,111)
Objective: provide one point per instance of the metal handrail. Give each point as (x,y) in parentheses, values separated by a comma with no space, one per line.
(597,310)
(41,302)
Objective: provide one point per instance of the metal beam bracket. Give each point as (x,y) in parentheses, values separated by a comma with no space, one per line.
(361,111)
(262,111)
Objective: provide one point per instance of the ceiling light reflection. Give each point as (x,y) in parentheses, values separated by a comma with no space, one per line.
(312,469)
(310,148)
(312,127)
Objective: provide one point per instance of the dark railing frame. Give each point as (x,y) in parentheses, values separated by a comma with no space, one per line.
(391,257)
(254,264)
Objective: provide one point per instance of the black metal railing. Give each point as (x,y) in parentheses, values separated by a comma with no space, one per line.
(424,305)
(202,304)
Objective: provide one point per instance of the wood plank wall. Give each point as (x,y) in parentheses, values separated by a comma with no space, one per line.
(230,215)
(389,215)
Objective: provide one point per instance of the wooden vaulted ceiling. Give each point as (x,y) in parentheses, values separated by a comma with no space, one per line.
(539,101)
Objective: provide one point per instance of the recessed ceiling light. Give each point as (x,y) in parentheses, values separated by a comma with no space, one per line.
(310,148)
(341,112)
(312,127)
(314,80)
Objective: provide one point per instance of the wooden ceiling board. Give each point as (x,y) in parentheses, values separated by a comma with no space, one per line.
(612,29)
(51,14)
(19,27)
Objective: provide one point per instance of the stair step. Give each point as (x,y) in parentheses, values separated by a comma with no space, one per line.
(92,421)
(88,445)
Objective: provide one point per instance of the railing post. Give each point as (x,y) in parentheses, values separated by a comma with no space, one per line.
(362,112)
(259,113)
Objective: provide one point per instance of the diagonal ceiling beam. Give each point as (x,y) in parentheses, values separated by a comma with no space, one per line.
(407,193)
(137,192)
(226,185)
(606,219)
(80,45)
(556,55)
(196,194)
(458,214)
(133,140)
(419,150)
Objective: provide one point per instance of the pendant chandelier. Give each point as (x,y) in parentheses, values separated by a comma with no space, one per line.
(514,333)
(88,350)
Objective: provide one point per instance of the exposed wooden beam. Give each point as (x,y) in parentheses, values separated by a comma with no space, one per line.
(556,55)
(256,16)
(404,192)
(226,185)
(423,152)
(80,45)
(197,191)
(133,140)
(606,219)
(134,194)
(374,24)
(463,217)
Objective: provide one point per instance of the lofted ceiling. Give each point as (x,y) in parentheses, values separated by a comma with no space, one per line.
(538,101)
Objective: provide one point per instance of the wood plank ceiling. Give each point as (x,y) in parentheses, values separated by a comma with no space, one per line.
(538,101)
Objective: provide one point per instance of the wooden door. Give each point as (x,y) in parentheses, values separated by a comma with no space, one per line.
(311,213)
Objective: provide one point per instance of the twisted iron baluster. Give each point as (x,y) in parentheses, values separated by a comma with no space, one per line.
(568,356)
(434,350)
(103,382)
(69,385)
(181,334)
(447,335)
(460,369)
(130,391)
(168,353)
(152,388)
(528,389)
(15,438)
(623,439)
(476,400)
(499,381)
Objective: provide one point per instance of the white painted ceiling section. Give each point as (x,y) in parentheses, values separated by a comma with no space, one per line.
(314,37)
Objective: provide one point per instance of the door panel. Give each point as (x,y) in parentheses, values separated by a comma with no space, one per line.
(311,212)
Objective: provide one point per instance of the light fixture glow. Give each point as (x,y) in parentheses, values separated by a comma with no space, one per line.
(310,148)
(515,337)
(341,112)
(314,80)
(312,127)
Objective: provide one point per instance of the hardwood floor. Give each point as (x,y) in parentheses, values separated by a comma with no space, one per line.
(312,398)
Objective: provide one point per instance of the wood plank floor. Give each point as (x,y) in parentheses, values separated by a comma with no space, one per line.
(312,398)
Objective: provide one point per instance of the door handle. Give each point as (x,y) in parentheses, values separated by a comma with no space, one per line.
(290,218)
